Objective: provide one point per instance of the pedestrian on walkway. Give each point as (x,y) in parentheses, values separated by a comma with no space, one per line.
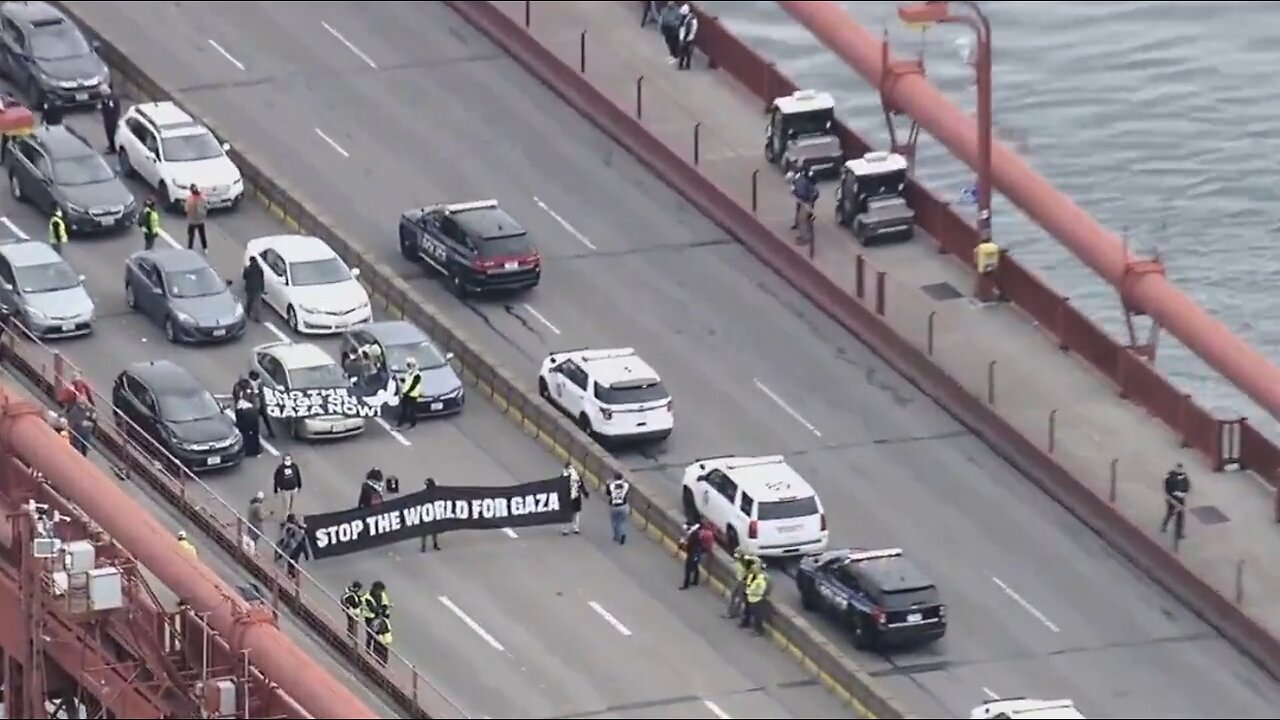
(351,602)
(254,283)
(986,259)
(57,230)
(1177,486)
(149,221)
(81,419)
(619,509)
(669,24)
(197,211)
(652,11)
(294,545)
(577,493)
(257,518)
(109,107)
(186,545)
(430,485)
(685,35)
(288,481)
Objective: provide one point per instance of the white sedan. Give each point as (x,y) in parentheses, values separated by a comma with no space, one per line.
(309,285)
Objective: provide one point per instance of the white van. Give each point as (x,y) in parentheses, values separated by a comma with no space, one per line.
(759,504)
(1027,709)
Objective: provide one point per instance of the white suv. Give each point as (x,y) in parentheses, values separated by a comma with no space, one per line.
(171,151)
(1027,709)
(759,504)
(611,394)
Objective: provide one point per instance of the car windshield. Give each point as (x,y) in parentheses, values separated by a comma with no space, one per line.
(629,394)
(194,283)
(50,277)
(787,509)
(58,41)
(424,352)
(189,148)
(517,246)
(188,406)
(317,376)
(82,170)
(319,272)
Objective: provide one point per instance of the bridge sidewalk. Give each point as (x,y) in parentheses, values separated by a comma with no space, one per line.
(1115,447)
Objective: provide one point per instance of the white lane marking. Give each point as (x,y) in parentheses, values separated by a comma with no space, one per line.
(715,710)
(990,694)
(226,54)
(394,433)
(511,533)
(350,45)
(165,236)
(1025,605)
(475,626)
(609,618)
(276,331)
(540,318)
(332,144)
(565,224)
(13,227)
(782,404)
(265,445)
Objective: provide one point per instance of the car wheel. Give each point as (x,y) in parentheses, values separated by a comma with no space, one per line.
(169,202)
(15,187)
(295,430)
(130,298)
(863,637)
(770,156)
(458,287)
(690,506)
(407,251)
(291,318)
(170,332)
(126,167)
(543,390)
(731,540)
(584,423)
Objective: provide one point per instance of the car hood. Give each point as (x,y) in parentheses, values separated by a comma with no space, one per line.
(213,172)
(217,309)
(61,304)
(814,147)
(437,381)
(109,194)
(204,430)
(335,298)
(81,67)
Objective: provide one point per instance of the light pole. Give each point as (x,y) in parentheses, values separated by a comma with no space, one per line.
(928,13)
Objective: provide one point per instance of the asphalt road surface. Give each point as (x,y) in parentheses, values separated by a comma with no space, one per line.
(367,109)
(226,568)
(509,624)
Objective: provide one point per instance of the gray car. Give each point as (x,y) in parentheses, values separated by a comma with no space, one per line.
(54,167)
(442,389)
(179,291)
(43,291)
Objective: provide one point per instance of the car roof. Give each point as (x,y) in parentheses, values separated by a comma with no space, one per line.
(890,570)
(296,248)
(616,367)
(165,377)
(175,259)
(767,478)
(33,12)
(802,101)
(62,141)
(486,221)
(169,119)
(26,253)
(1029,708)
(295,355)
(395,332)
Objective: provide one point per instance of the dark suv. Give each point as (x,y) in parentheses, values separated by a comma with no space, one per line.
(55,167)
(46,56)
(476,246)
(170,406)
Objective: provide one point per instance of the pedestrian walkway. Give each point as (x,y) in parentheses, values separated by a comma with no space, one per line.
(1054,398)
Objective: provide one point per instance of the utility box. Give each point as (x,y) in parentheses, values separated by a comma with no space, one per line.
(106,588)
(218,697)
(79,556)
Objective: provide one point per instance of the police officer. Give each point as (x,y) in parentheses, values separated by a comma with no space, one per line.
(377,605)
(1176,488)
(57,230)
(381,631)
(409,397)
(757,586)
(109,106)
(743,565)
(149,221)
(351,604)
(619,491)
(368,612)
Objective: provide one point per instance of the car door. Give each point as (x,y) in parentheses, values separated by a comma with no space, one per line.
(17,59)
(139,406)
(10,300)
(133,143)
(569,387)
(149,291)
(719,496)
(150,164)
(32,173)
(436,238)
(273,372)
(274,279)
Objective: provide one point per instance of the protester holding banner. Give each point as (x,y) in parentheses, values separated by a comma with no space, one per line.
(256,380)
(370,489)
(287,483)
(577,492)
(619,509)
(294,547)
(430,484)
(244,398)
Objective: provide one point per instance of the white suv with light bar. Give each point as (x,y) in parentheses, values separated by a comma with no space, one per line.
(1027,709)
(759,504)
(611,394)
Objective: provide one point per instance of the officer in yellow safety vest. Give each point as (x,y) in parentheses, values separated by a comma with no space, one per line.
(986,260)
(149,221)
(185,544)
(57,230)
(757,586)
(743,564)
(410,394)
(380,629)
(352,604)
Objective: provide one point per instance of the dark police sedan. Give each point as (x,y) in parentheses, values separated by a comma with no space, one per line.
(878,595)
(442,389)
(181,292)
(171,407)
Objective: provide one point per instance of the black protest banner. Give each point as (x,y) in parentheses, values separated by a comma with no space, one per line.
(318,402)
(442,509)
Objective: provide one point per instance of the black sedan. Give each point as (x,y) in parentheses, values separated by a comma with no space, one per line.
(165,402)
(179,290)
(45,54)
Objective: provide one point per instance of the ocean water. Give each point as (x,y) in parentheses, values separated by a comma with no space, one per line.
(1161,119)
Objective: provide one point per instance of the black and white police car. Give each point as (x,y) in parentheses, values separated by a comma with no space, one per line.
(759,504)
(1026,709)
(475,246)
(612,394)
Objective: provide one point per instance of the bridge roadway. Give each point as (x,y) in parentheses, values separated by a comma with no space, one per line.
(226,568)
(369,108)
(506,625)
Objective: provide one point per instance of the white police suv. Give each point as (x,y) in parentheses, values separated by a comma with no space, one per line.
(1027,709)
(759,504)
(613,395)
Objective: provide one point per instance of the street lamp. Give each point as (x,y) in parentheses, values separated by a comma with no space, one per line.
(929,13)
